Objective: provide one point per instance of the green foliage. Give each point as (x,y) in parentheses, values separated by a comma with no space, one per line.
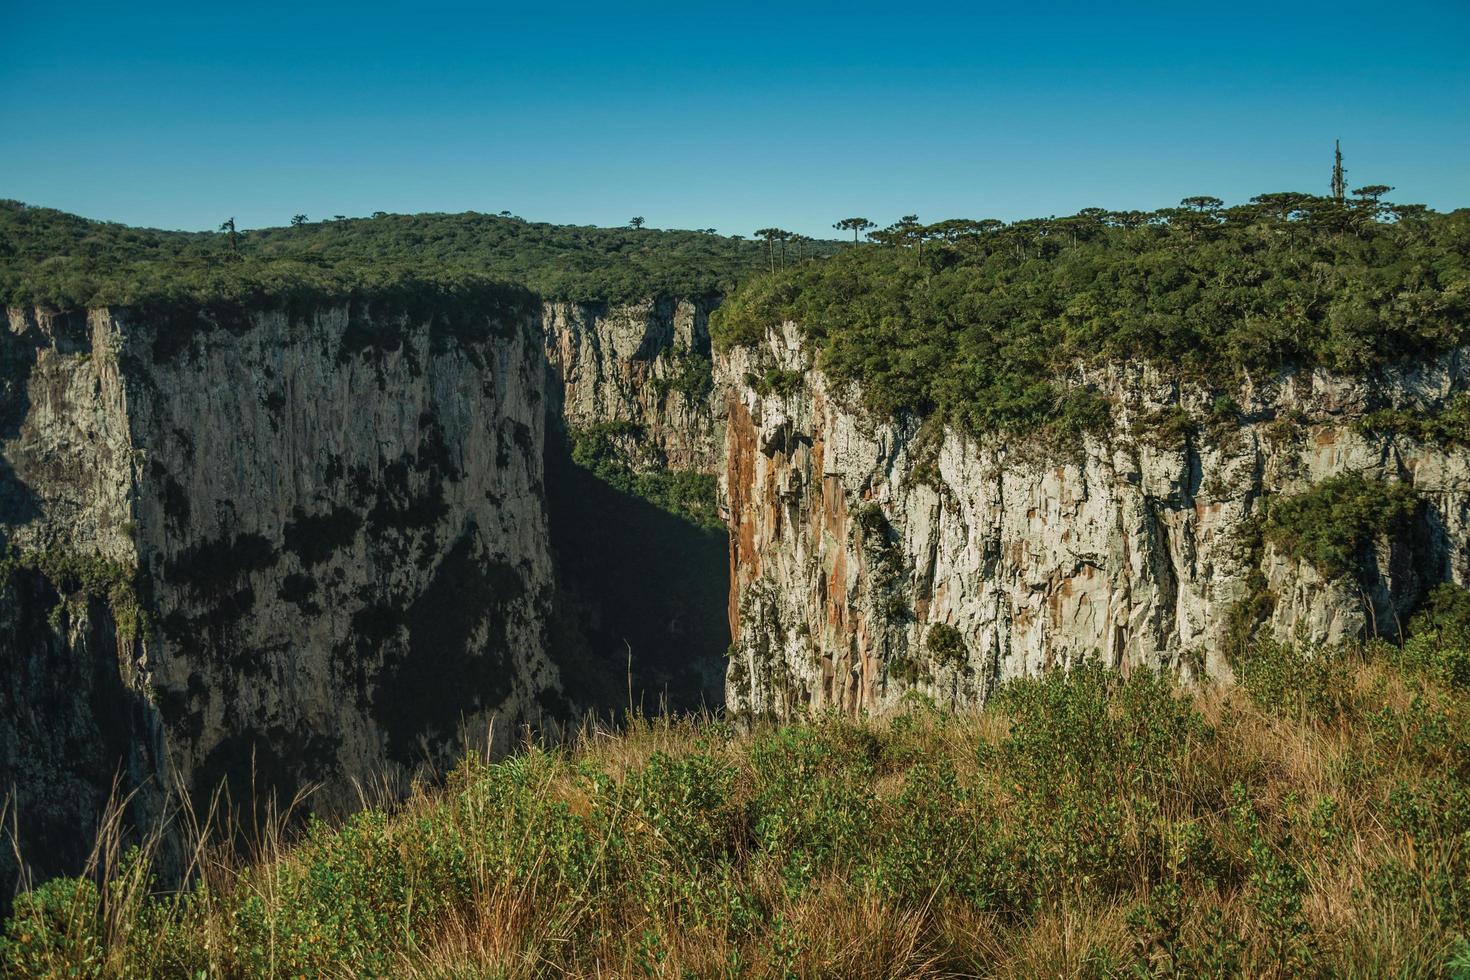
(776,382)
(1449,426)
(77,577)
(1288,679)
(56,259)
(1458,966)
(946,645)
(1171,833)
(983,327)
(1331,524)
(1439,636)
(692,377)
(57,923)
(604,450)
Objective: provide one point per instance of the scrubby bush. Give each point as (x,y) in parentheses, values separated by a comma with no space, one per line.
(1439,636)
(1311,822)
(1332,523)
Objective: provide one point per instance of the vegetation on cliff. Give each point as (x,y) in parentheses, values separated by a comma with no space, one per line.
(78,577)
(606,451)
(983,321)
(1332,523)
(1312,821)
(55,259)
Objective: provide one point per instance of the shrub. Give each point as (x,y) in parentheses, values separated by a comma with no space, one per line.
(1439,636)
(55,930)
(1332,524)
(1162,831)
(946,645)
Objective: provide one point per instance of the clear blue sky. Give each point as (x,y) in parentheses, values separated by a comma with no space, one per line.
(733,116)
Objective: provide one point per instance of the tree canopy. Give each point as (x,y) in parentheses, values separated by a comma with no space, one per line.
(982,322)
(61,260)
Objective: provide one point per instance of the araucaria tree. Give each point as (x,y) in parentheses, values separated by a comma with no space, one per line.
(1339,175)
(854,225)
(769,235)
(228,225)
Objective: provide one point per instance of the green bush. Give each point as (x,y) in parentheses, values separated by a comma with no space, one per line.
(946,645)
(1171,832)
(76,577)
(1287,679)
(1331,524)
(1449,426)
(1439,636)
(55,930)
(691,375)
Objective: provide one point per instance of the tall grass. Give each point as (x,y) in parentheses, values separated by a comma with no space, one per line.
(1314,820)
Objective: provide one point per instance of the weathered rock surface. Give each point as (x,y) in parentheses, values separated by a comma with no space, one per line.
(872,558)
(338,531)
(646,365)
(641,591)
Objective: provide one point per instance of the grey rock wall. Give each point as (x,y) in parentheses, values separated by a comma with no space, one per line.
(333,520)
(647,365)
(870,558)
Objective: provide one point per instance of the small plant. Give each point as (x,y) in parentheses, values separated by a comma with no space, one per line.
(1449,426)
(1439,636)
(77,577)
(946,645)
(691,374)
(776,381)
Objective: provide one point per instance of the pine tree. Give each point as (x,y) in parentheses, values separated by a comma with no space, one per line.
(1339,175)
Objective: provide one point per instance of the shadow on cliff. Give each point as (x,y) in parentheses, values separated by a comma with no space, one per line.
(73,736)
(641,596)
(18,504)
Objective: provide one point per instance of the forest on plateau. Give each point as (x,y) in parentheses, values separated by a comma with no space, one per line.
(982,321)
(51,258)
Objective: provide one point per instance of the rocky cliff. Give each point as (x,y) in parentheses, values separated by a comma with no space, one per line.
(641,371)
(873,557)
(634,423)
(266,550)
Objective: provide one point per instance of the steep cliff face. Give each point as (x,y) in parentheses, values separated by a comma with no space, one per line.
(870,558)
(74,714)
(644,367)
(641,588)
(265,550)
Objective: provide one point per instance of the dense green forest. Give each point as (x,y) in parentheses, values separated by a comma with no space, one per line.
(61,260)
(1311,821)
(981,320)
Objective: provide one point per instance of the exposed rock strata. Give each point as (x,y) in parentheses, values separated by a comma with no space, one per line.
(861,551)
(338,531)
(643,364)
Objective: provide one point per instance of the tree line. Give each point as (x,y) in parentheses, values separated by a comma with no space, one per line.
(981,320)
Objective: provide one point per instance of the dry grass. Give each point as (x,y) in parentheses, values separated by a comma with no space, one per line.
(1211,832)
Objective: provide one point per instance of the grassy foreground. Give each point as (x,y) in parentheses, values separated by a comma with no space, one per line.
(1312,820)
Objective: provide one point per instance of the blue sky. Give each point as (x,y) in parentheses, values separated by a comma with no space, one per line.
(733,116)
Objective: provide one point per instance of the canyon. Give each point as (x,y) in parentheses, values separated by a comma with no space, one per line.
(330,546)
